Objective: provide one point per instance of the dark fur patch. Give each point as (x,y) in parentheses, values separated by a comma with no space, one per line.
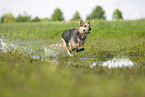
(66,35)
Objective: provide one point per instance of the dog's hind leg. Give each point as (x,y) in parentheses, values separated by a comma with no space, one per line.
(65,46)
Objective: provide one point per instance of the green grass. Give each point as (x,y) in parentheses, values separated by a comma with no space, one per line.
(100,29)
(64,76)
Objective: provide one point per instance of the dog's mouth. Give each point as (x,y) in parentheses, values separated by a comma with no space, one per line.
(87,31)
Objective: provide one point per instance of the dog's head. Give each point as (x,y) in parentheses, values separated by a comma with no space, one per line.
(84,27)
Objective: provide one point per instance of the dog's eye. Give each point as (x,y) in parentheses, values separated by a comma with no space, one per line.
(85,26)
(81,25)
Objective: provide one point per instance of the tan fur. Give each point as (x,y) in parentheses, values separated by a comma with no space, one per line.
(72,44)
(65,46)
(83,27)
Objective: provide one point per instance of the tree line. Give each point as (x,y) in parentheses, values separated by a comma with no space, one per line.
(97,13)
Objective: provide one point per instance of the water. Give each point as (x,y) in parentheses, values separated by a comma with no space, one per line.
(50,55)
(50,52)
(6,46)
(116,62)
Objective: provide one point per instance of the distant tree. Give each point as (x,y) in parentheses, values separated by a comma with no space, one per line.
(23,18)
(117,14)
(76,16)
(2,18)
(36,19)
(7,18)
(97,13)
(57,15)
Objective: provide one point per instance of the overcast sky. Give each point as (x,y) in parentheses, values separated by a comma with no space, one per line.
(131,9)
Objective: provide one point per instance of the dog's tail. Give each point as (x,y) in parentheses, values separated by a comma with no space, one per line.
(56,46)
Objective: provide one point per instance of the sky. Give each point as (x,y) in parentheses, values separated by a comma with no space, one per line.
(131,9)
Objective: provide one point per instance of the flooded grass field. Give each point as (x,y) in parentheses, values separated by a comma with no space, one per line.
(112,65)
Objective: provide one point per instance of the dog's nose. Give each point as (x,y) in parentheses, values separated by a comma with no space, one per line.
(89,29)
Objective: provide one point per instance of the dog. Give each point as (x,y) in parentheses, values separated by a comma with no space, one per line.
(72,39)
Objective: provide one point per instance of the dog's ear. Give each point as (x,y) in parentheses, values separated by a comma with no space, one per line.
(81,22)
(89,22)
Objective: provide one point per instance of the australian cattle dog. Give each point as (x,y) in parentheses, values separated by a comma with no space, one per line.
(72,39)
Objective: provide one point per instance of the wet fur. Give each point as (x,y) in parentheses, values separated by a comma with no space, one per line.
(74,38)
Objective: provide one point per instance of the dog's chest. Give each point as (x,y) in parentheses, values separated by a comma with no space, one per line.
(80,39)
(74,43)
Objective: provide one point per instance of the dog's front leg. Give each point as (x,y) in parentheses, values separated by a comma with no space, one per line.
(70,48)
(78,44)
(68,52)
(78,41)
(65,47)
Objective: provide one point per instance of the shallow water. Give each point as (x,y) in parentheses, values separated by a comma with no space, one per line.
(50,55)
(116,62)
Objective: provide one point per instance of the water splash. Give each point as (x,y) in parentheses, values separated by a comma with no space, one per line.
(49,52)
(7,46)
(29,48)
(3,45)
(121,62)
(116,62)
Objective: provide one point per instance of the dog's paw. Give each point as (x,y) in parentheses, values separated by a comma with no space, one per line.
(69,54)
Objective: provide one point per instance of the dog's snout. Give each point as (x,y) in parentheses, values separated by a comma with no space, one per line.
(89,29)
